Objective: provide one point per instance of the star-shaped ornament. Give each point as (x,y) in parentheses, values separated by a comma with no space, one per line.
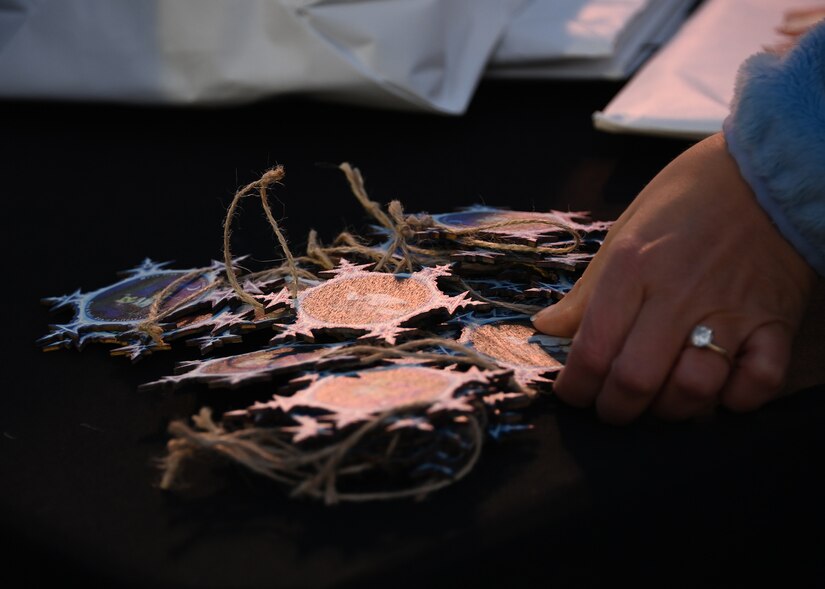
(360,396)
(530,234)
(375,304)
(112,312)
(258,366)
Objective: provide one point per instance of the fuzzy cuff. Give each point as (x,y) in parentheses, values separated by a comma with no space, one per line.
(776,134)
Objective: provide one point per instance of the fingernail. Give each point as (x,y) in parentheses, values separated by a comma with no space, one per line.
(543,314)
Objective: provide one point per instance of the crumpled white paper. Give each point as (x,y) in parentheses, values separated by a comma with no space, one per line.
(686,89)
(425,54)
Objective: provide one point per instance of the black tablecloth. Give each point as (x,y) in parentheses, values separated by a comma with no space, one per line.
(90,190)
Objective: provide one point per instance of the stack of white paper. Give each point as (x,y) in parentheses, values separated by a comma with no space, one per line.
(592,39)
(686,89)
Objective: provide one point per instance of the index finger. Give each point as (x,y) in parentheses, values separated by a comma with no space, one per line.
(611,312)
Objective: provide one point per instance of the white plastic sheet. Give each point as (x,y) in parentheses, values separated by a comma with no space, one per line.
(405,53)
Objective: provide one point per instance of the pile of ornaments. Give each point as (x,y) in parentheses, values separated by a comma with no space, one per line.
(383,384)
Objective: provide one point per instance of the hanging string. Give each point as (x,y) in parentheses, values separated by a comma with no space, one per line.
(316,252)
(397,227)
(270,177)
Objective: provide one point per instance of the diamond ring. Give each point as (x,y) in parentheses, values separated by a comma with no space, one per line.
(702,337)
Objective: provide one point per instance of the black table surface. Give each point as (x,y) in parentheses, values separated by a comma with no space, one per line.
(90,190)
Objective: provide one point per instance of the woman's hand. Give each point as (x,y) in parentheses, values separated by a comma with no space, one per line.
(693,248)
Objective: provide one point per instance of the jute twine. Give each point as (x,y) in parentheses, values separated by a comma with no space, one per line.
(314,473)
(309,473)
(396,225)
(270,177)
(316,252)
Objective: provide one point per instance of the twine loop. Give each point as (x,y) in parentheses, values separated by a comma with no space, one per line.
(270,177)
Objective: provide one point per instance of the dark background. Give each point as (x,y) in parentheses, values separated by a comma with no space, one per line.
(90,190)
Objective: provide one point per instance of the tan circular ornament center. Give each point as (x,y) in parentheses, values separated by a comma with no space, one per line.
(384,389)
(510,344)
(365,300)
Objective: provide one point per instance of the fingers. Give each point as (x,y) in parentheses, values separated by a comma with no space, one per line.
(696,380)
(627,365)
(611,312)
(702,379)
(760,371)
(641,368)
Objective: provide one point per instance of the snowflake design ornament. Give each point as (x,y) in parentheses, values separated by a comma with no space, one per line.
(376,303)
(531,234)
(220,326)
(111,314)
(356,397)
(258,366)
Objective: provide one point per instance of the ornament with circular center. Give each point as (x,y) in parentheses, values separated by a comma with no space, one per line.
(376,303)
(257,366)
(110,313)
(358,396)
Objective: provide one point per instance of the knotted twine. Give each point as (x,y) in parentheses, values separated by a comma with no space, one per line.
(314,473)
(151,325)
(396,225)
(309,473)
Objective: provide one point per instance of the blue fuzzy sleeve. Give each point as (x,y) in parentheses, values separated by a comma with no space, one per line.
(776,134)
